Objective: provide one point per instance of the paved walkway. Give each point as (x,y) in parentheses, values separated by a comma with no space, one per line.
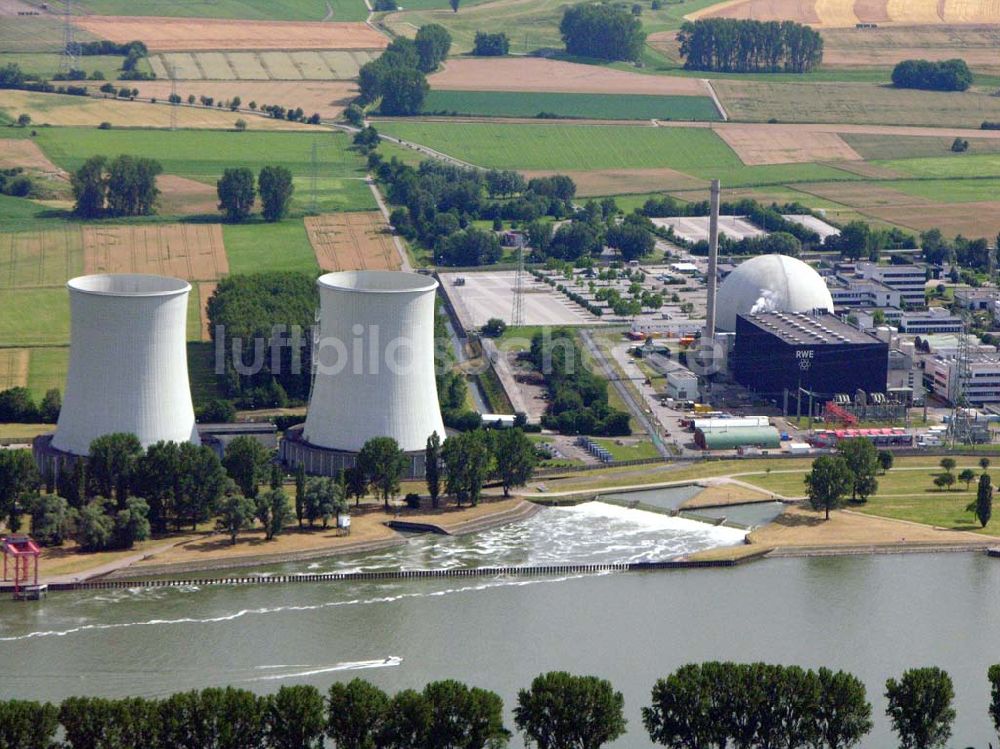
(404,256)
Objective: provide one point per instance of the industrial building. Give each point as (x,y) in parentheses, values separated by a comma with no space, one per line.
(770,283)
(908,279)
(127,365)
(933,320)
(980,384)
(732,438)
(777,352)
(374,371)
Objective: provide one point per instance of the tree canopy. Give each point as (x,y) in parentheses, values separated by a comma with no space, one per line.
(606,32)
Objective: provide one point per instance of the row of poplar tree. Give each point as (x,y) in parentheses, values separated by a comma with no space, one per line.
(699,706)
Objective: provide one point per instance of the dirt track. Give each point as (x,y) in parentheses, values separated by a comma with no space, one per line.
(178,34)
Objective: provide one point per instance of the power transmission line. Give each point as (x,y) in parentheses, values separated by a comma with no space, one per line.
(70,56)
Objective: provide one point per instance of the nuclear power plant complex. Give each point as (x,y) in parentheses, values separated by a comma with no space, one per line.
(373,372)
(128,368)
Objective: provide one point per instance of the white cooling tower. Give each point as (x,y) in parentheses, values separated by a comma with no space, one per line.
(127,363)
(374,362)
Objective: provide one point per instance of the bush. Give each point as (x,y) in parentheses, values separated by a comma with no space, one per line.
(960,145)
(946,75)
(491,45)
(413,501)
(104,126)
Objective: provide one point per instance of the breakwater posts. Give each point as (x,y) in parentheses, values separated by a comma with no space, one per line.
(465,572)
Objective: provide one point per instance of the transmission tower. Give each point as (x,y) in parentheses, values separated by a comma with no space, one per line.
(174,101)
(517,313)
(960,426)
(70,56)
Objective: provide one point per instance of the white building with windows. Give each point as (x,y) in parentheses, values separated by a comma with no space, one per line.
(982,385)
(929,321)
(909,279)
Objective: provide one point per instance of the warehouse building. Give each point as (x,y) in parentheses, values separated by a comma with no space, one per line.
(779,351)
(732,438)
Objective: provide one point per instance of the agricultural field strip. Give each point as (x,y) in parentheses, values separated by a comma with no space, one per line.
(13,367)
(352,241)
(194,252)
(164,34)
(40,258)
(847,13)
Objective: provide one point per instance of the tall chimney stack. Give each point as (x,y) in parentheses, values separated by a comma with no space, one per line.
(713,262)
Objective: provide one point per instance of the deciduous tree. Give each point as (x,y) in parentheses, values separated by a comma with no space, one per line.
(515,458)
(276,189)
(357,714)
(920,708)
(828,482)
(562,711)
(382,463)
(237,193)
(432,468)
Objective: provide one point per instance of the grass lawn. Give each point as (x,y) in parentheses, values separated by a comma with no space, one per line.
(286,10)
(19,213)
(203,155)
(34,317)
(911,482)
(47,368)
(949,190)
(260,247)
(697,151)
(584,106)
(942,509)
(638,450)
(875,147)
(46,64)
(23,432)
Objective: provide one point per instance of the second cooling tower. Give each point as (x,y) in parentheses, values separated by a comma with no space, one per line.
(374,362)
(128,362)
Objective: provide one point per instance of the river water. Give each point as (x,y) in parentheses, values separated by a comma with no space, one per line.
(874,615)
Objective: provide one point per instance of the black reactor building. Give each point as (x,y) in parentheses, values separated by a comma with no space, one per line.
(775,351)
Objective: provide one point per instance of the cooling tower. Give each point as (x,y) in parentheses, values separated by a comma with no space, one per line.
(374,361)
(127,363)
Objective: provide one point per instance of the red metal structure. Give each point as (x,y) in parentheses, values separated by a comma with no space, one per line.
(17,551)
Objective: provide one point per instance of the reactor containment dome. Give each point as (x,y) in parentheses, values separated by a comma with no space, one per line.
(374,362)
(127,363)
(770,283)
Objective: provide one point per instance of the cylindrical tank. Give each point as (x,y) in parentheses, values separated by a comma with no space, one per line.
(374,360)
(127,362)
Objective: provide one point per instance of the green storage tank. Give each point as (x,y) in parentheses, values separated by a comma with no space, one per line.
(730,438)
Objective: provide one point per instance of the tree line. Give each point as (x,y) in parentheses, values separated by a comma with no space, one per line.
(732,45)
(602,31)
(943,75)
(123,186)
(578,398)
(396,82)
(490,45)
(18,406)
(238,193)
(697,706)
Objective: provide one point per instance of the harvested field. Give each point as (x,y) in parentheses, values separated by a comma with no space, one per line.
(885,47)
(854,103)
(763,144)
(44,257)
(180,196)
(329,98)
(215,66)
(847,13)
(79,111)
(189,251)
(626,181)
(352,241)
(14,8)
(280,66)
(205,291)
(25,154)
(539,74)
(247,66)
(14,368)
(862,195)
(971,219)
(188,34)
(319,65)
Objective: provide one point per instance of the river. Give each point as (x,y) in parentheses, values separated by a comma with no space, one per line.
(873,615)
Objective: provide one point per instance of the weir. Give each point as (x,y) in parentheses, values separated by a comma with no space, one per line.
(332,577)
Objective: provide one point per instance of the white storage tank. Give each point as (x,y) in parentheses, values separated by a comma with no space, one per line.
(128,362)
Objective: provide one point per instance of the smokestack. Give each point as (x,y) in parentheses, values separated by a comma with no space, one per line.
(127,362)
(713,262)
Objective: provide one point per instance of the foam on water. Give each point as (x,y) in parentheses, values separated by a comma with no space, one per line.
(590,533)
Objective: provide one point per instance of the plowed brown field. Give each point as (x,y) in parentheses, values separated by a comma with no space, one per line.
(180,196)
(329,98)
(194,252)
(352,241)
(884,47)
(25,154)
(847,13)
(539,74)
(178,34)
(772,144)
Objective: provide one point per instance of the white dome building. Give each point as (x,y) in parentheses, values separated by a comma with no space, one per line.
(770,283)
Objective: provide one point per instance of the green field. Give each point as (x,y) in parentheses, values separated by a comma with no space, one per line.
(876,147)
(582,106)
(948,190)
(203,155)
(260,247)
(34,317)
(20,213)
(47,369)
(46,64)
(944,167)
(286,10)
(696,151)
